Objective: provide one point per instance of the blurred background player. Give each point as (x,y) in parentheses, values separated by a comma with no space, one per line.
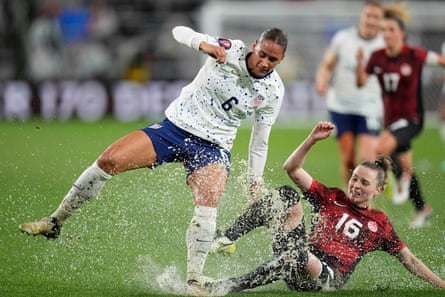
(356,112)
(345,229)
(442,107)
(199,129)
(399,70)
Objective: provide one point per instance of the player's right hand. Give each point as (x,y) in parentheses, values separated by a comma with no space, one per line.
(215,51)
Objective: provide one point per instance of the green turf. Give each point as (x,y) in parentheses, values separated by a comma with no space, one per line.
(117,244)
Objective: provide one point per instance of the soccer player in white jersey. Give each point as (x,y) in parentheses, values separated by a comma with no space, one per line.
(442,109)
(357,113)
(235,82)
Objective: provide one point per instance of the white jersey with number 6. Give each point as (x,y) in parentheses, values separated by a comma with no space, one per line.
(213,105)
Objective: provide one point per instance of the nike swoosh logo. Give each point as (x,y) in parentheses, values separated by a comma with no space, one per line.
(200,240)
(339,204)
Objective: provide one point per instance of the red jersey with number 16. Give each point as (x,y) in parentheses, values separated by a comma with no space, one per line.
(400,81)
(344,232)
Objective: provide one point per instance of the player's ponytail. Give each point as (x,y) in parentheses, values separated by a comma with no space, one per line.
(382,165)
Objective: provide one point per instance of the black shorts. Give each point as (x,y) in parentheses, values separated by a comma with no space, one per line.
(404,131)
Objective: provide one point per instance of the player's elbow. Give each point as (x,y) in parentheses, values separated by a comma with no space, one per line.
(286,167)
(289,169)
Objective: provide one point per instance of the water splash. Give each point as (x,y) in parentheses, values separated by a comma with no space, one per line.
(154,277)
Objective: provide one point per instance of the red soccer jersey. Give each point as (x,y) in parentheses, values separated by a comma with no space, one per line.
(400,81)
(345,232)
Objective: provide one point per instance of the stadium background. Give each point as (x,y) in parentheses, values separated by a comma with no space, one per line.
(64,59)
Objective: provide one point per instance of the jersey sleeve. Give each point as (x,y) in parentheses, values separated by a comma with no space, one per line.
(336,42)
(421,53)
(319,194)
(258,148)
(191,38)
(432,59)
(391,244)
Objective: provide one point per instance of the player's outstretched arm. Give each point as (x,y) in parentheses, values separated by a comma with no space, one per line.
(199,42)
(416,267)
(293,164)
(324,72)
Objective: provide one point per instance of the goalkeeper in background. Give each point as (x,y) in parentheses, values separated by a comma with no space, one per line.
(344,229)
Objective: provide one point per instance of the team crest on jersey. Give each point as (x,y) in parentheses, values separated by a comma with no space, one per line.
(155,126)
(225,43)
(405,69)
(372,226)
(377,70)
(258,100)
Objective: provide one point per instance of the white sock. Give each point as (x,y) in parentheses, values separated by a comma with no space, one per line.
(86,187)
(199,238)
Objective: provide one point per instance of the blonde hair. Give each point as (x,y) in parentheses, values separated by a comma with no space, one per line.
(399,12)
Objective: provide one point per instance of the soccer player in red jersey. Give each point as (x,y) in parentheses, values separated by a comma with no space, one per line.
(345,228)
(398,67)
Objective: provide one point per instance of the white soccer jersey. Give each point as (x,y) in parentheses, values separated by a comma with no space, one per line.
(213,105)
(345,96)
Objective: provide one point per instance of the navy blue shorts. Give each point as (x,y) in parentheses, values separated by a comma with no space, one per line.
(355,123)
(172,144)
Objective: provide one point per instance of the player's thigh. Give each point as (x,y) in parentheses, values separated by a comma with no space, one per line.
(314,265)
(346,144)
(134,150)
(294,216)
(387,143)
(208,183)
(367,147)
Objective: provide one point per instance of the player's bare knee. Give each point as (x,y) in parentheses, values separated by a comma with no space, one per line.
(107,164)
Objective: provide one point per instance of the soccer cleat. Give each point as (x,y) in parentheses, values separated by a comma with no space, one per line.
(421,217)
(195,288)
(222,245)
(401,193)
(217,287)
(326,278)
(47,227)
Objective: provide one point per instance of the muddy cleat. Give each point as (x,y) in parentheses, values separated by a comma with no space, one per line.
(217,287)
(421,217)
(47,227)
(222,245)
(195,288)
(326,278)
